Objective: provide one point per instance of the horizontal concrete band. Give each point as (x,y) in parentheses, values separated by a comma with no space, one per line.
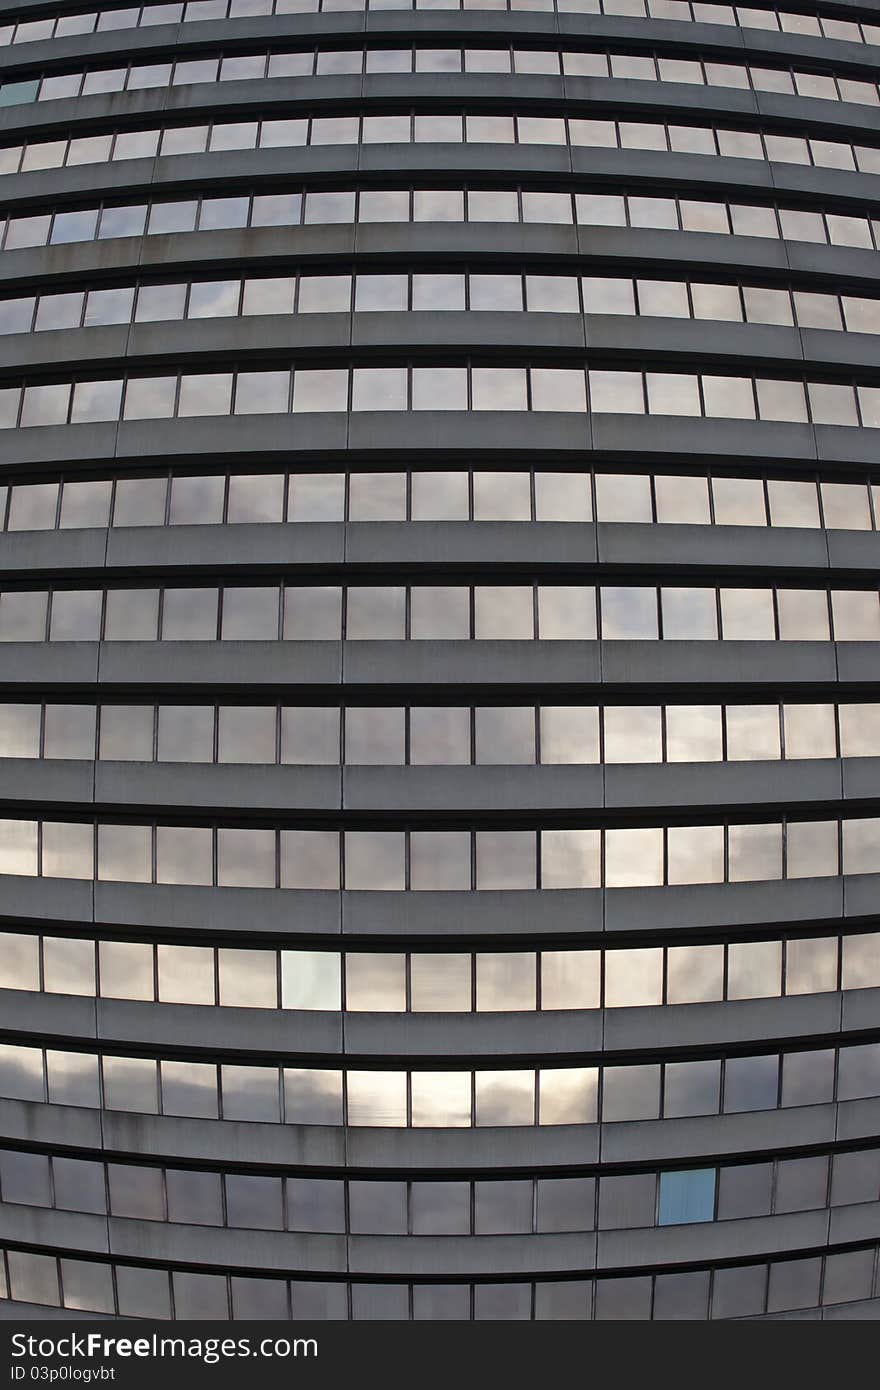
(640,550)
(474,27)
(638,666)
(383,166)
(428,435)
(597,1034)
(564,916)
(28,784)
(553,1150)
(376,246)
(600,339)
(224,1250)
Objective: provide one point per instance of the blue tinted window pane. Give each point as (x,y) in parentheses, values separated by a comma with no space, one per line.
(686,1197)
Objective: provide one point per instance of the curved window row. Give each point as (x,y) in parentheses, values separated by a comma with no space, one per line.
(433,292)
(485,1207)
(141,1291)
(440,1099)
(423,128)
(428,860)
(223,136)
(159,218)
(333,62)
(439,735)
(438,981)
(102,21)
(215,499)
(430,612)
(463,388)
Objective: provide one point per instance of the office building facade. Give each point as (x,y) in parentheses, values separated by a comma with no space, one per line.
(439,637)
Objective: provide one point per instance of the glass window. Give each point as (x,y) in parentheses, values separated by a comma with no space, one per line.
(752,732)
(566,612)
(19,731)
(374,736)
(633,734)
(440,982)
(68,850)
(310,859)
(130,1083)
(248,979)
(686,1197)
(68,965)
(505,980)
(140,502)
(739,502)
(377,497)
(186,974)
(186,733)
(502,497)
(745,1190)
(570,858)
(194,1198)
(562,497)
(633,857)
(246,734)
(376,1098)
(803,615)
(246,858)
(629,613)
(694,974)
(623,497)
(751,1083)
(376,614)
(505,1097)
(126,969)
(442,1099)
(809,731)
(439,735)
(682,500)
(85,504)
(377,1207)
(754,969)
(631,1093)
(747,615)
(505,736)
(189,1088)
(20,961)
(310,735)
(856,615)
(76,615)
(374,860)
(503,612)
(439,497)
(861,961)
(69,731)
(441,1208)
(569,734)
(505,859)
(754,852)
(691,1088)
(633,977)
(313,613)
(125,853)
(131,615)
(693,732)
(375,982)
(196,501)
(315,1204)
(23,616)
